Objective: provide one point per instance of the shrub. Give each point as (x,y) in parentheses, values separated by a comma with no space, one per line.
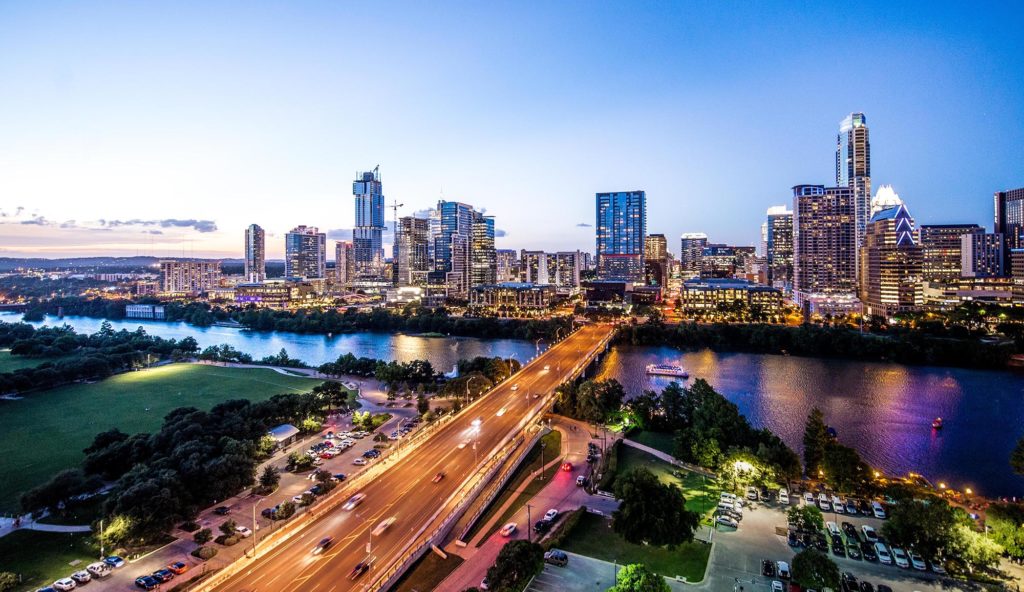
(226,540)
(204,553)
(285,511)
(611,465)
(189,526)
(203,536)
(564,529)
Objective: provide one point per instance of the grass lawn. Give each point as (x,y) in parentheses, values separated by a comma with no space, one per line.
(700,497)
(515,486)
(660,441)
(42,557)
(427,573)
(9,363)
(83,513)
(593,537)
(46,431)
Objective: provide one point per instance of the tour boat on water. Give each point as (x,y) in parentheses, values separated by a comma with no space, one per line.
(667,370)
(937,423)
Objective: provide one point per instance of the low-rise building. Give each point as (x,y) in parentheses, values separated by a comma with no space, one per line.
(711,294)
(512,299)
(144,311)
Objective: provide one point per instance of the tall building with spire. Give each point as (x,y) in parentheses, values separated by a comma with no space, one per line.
(367,236)
(891,259)
(853,166)
(255,254)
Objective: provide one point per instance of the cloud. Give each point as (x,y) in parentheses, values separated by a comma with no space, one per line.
(498,233)
(584,225)
(36,220)
(342,234)
(154,232)
(197,225)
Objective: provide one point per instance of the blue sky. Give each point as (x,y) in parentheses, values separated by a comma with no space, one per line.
(166,128)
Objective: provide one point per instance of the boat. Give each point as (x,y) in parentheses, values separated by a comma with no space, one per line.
(667,370)
(937,423)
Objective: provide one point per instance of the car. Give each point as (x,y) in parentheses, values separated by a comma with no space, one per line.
(900,557)
(515,387)
(64,584)
(869,533)
(851,507)
(783,496)
(298,499)
(372,453)
(359,569)
(98,569)
(322,545)
(936,565)
(916,561)
(146,582)
(725,496)
(329,435)
(81,577)
(792,539)
(777,586)
(850,530)
(178,567)
(768,568)
(853,550)
(327,455)
(883,553)
(581,481)
(338,477)
(221,510)
(883,588)
(838,505)
(354,501)
(46,589)
(808,498)
(782,568)
(823,503)
(727,521)
(567,466)
(820,542)
(164,575)
(877,510)
(114,561)
(867,550)
(556,557)
(832,528)
(268,513)
(542,526)
(437,478)
(752,494)
(383,525)
(243,531)
(838,548)
(359,461)
(551,514)
(848,582)
(508,530)
(315,490)
(866,586)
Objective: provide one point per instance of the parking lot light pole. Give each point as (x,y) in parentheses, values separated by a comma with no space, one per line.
(255,526)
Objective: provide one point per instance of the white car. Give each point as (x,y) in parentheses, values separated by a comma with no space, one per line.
(727,521)
(917,562)
(508,530)
(64,584)
(515,387)
(776,586)
(384,524)
(359,461)
(551,514)
(752,494)
(243,531)
(900,557)
(883,553)
(354,501)
(547,367)
(838,504)
(782,569)
(783,496)
(869,533)
(808,498)
(823,503)
(81,577)
(98,569)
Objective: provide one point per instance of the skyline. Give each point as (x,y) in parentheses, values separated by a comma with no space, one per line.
(112,122)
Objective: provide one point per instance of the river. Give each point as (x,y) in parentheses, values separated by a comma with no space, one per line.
(882,410)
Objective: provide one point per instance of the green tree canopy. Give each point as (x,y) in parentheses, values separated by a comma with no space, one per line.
(815,440)
(929,526)
(815,570)
(1005,524)
(806,517)
(844,470)
(650,511)
(636,577)
(517,562)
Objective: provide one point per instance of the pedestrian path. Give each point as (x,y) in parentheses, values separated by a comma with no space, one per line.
(668,458)
(9,525)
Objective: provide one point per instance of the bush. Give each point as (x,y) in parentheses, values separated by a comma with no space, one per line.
(203,536)
(204,553)
(611,466)
(226,540)
(189,526)
(8,581)
(285,511)
(564,529)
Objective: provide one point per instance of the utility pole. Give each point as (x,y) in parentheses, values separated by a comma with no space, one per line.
(529,522)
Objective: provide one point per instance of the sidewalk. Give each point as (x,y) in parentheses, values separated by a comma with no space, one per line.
(7,526)
(668,458)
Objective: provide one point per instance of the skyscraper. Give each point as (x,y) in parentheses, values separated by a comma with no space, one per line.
(305,252)
(890,261)
(344,263)
(778,237)
(483,259)
(824,241)
(1009,218)
(983,255)
(853,167)
(255,254)
(655,246)
(367,237)
(507,265)
(621,228)
(942,249)
(452,244)
(411,262)
(691,250)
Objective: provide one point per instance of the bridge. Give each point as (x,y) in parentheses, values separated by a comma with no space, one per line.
(469,448)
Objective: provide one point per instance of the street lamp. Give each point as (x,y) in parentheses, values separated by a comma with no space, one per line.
(468,382)
(255,525)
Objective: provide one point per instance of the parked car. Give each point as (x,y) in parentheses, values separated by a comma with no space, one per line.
(542,526)
(556,557)
(551,514)
(146,582)
(178,567)
(866,586)
(81,577)
(164,575)
(243,531)
(221,510)
(114,561)
(869,533)
(768,568)
(916,561)
(359,461)
(782,568)
(883,553)
(838,505)
(777,586)
(853,550)
(729,521)
(64,584)
(783,496)
(900,557)
(851,507)
(877,510)
(98,569)
(581,481)
(838,548)
(752,494)
(792,539)
(848,582)
(868,551)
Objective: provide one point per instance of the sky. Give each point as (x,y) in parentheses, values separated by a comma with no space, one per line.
(165,128)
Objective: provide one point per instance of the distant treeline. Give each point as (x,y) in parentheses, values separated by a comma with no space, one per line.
(908,346)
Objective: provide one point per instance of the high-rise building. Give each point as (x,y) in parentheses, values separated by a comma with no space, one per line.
(452,245)
(655,246)
(483,259)
(189,277)
(621,229)
(255,254)
(691,249)
(367,237)
(853,167)
(983,255)
(1009,218)
(305,253)
(778,249)
(535,267)
(411,262)
(941,247)
(507,261)
(890,261)
(344,263)
(824,241)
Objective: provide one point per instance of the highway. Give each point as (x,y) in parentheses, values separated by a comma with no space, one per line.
(406,491)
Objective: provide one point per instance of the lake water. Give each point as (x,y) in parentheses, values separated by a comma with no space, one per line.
(882,410)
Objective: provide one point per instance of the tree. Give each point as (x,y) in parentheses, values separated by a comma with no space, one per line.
(815,570)
(844,470)
(422,404)
(974,549)
(929,526)
(636,577)
(1004,522)
(1017,457)
(228,527)
(285,511)
(815,440)
(806,517)
(517,562)
(270,477)
(650,511)
(201,537)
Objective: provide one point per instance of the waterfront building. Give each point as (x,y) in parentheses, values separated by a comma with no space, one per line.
(853,168)
(305,253)
(367,236)
(144,311)
(276,294)
(255,254)
(941,249)
(704,295)
(982,255)
(344,263)
(561,269)
(507,263)
(188,277)
(1009,219)
(890,261)
(411,261)
(691,249)
(621,228)
(483,258)
(824,245)
(512,299)
(778,247)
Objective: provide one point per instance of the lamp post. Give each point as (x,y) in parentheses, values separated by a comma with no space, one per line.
(468,382)
(255,526)
(529,521)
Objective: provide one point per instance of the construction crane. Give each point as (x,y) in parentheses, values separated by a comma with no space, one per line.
(394,209)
